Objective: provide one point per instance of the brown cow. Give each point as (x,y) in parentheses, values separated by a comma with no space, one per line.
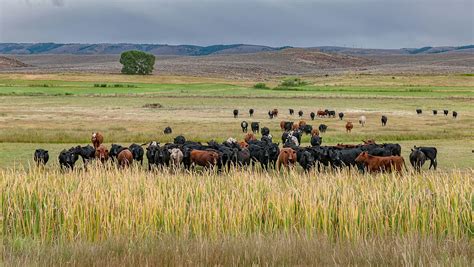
(315,132)
(243,144)
(346,146)
(287,157)
(97,139)
(381,164)
(250,137)
(302,123)
(321,113)
(275,112)
(295,126)
(101,153)
(282,125)
(204,158)
(349,126)
(125,158)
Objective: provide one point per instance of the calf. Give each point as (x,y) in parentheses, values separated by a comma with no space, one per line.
(251,112)
(417,159)
(419,111)
(384,120)
(236,113)
(380,164)
(167,130)
(430,153)
(244,125)
(322,128)
(102,154)
(455,114)
(137,152)
(292,111)
(362,120)
(300,113)
(349,126)
(41,156)
(176,156)
(446,112)
(125,158)
(97,139)
(287,158)
(341,115)
(312,115)
(255,126)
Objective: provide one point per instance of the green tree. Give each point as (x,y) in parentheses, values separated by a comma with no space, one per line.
(137,62)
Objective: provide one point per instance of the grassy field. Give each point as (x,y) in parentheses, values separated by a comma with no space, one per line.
(109,217)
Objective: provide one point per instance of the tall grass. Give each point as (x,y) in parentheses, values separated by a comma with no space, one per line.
(99,205)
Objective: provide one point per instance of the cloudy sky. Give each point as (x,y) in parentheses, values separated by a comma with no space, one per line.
(306,23)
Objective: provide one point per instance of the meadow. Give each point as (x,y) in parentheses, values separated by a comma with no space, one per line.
(107,216)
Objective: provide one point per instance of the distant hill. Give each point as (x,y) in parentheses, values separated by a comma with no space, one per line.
(6,62)
(194,50)
(111,49)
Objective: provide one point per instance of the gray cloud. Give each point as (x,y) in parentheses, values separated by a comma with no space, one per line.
(364,23)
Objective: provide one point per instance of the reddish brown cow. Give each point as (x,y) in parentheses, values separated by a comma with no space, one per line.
(321,113)
(204,158)
(346,146)
(125,158)
(295,126)
(349,126)
(250,137)
(287,157)
(97,139)
(101,153)
(243,144)
(315,132)
(282,125)
(381,164)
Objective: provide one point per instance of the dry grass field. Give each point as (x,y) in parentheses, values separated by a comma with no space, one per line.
(114,217)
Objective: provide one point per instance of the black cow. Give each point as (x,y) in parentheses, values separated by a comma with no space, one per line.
(327,156)
(236,113)
(341,115)
(322,128)
(300,113)
(348,156)
(417,159)
(260,154)
(137,152)
(430,153)
(87,153)
(41,156)
(151,150)
(455,114)
(312,115)
(316,140)
(384,120)
(292,111)
(288,125)
(163,155)
(435,112)
(305,158)
(418,111)
(446,112)
(251,112)
(244,125)
(243,157)
(270,114)
(255,126)
(306,128)
(67,159)
(331,113)
(179,140)
(115,150)
(168,130)
(265,131)
(395,149)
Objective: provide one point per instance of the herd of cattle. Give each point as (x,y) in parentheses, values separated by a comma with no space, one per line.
(368,156)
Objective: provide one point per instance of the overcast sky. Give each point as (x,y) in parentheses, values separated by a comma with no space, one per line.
(353,23)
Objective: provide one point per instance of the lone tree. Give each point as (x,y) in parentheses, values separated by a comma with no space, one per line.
(137,62)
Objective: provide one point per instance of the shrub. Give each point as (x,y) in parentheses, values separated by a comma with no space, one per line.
(293,82)
(260,86)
